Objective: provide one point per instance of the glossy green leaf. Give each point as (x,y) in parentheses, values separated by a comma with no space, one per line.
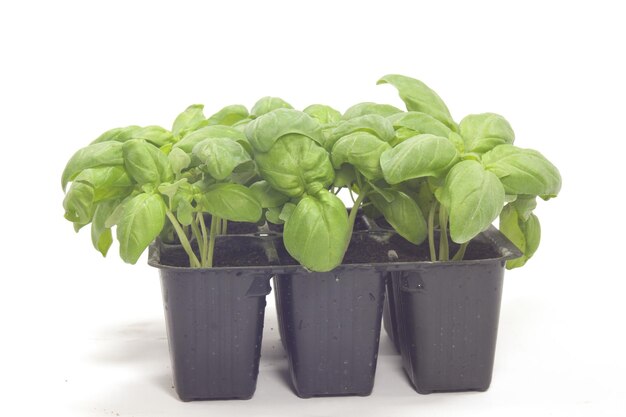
(419,97)
(473,197)
(192,139)
(419,156)
(371,123)
(184,212)
(78,203)
(229,115)
(263,132)
(419,123)
(272,215)
(403,214)
(287,211)
(179,160)
(220,156)
(145,163)
(119,134)
(141,223)
(325,115)
(92,156)
(266,195)
(317,232)
(523,171)
(361,150)
(189,120)
(268,104)
(107,182)
(294,163)
(362,109)
(232,202)
(156,135)
(483,132)
(525,234)
(101,236)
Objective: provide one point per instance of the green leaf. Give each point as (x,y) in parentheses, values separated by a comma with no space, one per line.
(524,205)
(371,123)
(189,120)
(362,109)
(525,234)
(403,214)
(229,115)
(101,236)
(179,160)
(419,123)
(344,176)
(78,203)
(325,115)
(184,212)
(419,97)
(92,156)
(295,162)
(232,202)
(473,197)
(263,132)
(188,142)
(141,223)
(316,233)
(523,171)
(287,211)
(107,182)
(266,195)
(483,132)
(268,104)
(272,215)
(419,156)
(145,163)
(361,150)
(156,135)
(119,134)
(220,156)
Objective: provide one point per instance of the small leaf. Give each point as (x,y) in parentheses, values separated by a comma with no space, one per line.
(524,205)
(344,176)
(101,236)
(92,156)
(523,171)
(419,97)
(78,203)
(263,132)
(268,104)
(179,160)
(272,215)
(229,115)
(325,115)
(189,120)
(145,163)
(220,156)
(316,233)
(286,212)
(266,195)
(403,214)
(474,198)
(362,109)
(417,157)
(232,202)
(483,132)
(361,150)
(184,212)
(192,139)
(143,220)
(525,234)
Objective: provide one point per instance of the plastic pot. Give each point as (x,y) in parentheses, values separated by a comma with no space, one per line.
(214,320)
(447,316)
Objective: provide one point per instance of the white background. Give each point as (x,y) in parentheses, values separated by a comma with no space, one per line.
(84,336)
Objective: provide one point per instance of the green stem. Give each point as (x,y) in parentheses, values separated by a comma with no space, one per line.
(431,231)
(193,259)
(352,196)
(215,222)
(224,226)
(198,235)
(205,238)
(355,209)
(461,252)
(337,190)
(444,251)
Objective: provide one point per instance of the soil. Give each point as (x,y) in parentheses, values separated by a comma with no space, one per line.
(408,252)
(229,251)
(360,225)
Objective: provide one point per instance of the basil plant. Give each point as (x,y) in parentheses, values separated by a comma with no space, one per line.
(463,176)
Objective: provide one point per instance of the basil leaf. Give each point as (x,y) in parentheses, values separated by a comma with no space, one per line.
(523,171)
(101,236)
(220,156)
(231,202)
(229,115)
(419,156)
(474,198)
(145,163)
(294,163)
(403,214)
(119,134)
(525,234)
(361,150)
(362,109)
(316,233)
(179,160)
(419,97)
(483,132)
(373,124)
(188,142)
(266,195)
(189,120)
(419,123)
(272,215)
(268,104)
(141,223)
(92,156)
(263,132)
(78,203)
(156,135)
(325,115)
(107,182)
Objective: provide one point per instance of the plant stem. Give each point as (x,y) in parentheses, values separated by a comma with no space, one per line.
(205,241)
(193,259)
(215,225)
(199,238)
(444,254)
(431,231)
(224,227)
(461,252)
(352,196)
(355,209)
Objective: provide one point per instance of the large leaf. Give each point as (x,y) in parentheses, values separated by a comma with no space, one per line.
(523,171)
(145,163)
(156,135)
(417,157)
(189,120)
(141,223)
(101,236)
(220,156)
(361,150)
(362,109)
(371,123)
(325,115)
(525,234)
(107,182)
(92,156)
(483,132)
(229,115)
(419,123)
(268,104)
(263,132)
(267,196)
(403,214)
(473,197)
(192,139)
(232,202)
(78,203)
(119,134)
(419,97)
(316,232)
(294,163)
